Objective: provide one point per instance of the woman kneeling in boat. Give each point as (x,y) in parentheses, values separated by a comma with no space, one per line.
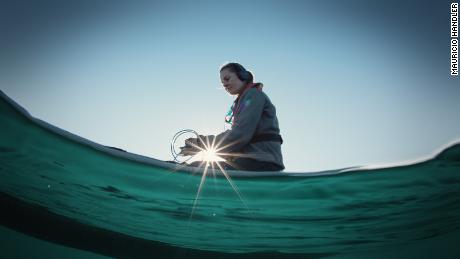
(253,143)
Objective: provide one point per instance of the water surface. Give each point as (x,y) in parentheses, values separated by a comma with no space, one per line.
(67,192)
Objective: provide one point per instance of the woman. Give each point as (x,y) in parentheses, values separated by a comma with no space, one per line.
(253,143)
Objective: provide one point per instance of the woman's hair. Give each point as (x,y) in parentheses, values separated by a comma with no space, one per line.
(240,71)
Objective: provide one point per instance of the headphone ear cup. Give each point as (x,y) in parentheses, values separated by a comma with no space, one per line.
(243,75)
(241,72)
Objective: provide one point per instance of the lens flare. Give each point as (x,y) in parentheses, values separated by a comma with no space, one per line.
(210,155)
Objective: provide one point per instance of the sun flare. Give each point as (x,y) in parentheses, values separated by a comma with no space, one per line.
(209,155)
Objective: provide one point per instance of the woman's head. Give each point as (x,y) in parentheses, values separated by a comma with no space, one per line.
(235,78)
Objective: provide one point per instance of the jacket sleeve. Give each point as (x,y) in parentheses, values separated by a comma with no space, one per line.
(244,124)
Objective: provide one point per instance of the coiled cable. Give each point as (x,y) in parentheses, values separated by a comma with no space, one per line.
(173,142)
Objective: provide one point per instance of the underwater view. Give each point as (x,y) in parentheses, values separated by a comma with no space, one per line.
(62,193)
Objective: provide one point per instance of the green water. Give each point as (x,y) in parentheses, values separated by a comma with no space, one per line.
(368,213)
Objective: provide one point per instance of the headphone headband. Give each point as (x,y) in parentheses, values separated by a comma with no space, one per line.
(240,71)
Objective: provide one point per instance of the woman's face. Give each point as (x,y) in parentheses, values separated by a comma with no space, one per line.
(231,82)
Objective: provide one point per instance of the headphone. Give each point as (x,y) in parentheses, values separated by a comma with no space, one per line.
(241,72)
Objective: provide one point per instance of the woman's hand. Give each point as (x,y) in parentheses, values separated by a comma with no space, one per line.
(191,142)
(191,147)
(187,151)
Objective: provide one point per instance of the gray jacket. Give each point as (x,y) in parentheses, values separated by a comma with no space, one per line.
(255,115)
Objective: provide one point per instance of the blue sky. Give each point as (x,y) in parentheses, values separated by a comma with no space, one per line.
(354,82)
